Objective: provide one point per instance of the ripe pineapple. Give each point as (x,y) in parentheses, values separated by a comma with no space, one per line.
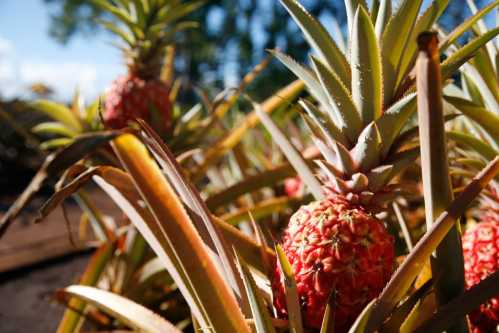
(337,245)
(481,255)
(146,28)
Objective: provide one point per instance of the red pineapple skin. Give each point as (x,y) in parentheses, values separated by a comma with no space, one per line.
(334,243)
(131,97)
(481,258)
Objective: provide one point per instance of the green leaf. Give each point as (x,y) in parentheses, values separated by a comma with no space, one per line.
(291,154)
(212,155)
(365,62)
(382,17)
(59,113)
(111,26)
(393,121)
(176,240)
(320,40)
(292,303)
(366,153)
(394,43)
(307,76)
(458,58)
(351,7)
(403,278)
(459,307)
(360,324)
(120,13)
(486,78)
(466,25)
(437,185)
(327,127)
(341,106)
(473,143)
(425,22)
(54,128)
(72,319)
(261,316)
(486,119)
(132,314)
(179,11)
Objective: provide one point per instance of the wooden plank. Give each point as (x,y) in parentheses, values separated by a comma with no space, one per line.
(26,243)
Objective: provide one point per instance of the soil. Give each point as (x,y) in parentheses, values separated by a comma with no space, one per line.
(26,303)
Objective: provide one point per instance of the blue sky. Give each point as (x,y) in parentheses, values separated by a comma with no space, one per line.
(28,54)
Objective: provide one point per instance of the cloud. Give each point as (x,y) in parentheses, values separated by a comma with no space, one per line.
(64,78)
(17,75)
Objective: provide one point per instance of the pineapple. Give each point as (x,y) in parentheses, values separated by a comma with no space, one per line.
(149,27)
(336,245)
(481,255)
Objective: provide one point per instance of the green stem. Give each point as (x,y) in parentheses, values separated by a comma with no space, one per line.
(447,261)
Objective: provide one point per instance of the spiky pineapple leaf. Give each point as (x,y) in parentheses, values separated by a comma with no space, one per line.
(326,126)
(59,113)
(111,26)
(458,58)
(351,7)
(320,40)
(360,324)
(473,143)
(483,64)
(291,154)
(252,183)
(394,41)
(341,106)
(52,127)
(366,153)
(125,310)
(437,186)
(169,14)
(394,119)
(261,316)
(471,89)
(365,61)
(475,78)
(401,313)
(178,242)
(201,215)
(229,141)
(424,22)
(403,278)
(72,317)
(382,17)
(466,25)
(470,300)
(486,119)
(292,302)
(307,76)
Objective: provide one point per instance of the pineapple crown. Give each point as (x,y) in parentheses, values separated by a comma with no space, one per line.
(362,105)
(146,28)
(365,93)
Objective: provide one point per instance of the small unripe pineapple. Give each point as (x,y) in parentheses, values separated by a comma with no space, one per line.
(335,246)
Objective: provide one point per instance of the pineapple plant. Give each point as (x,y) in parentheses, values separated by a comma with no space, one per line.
(336,245)
(477,139)
(146,29)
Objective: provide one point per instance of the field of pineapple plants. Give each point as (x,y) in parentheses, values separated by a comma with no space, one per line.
(360,196)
